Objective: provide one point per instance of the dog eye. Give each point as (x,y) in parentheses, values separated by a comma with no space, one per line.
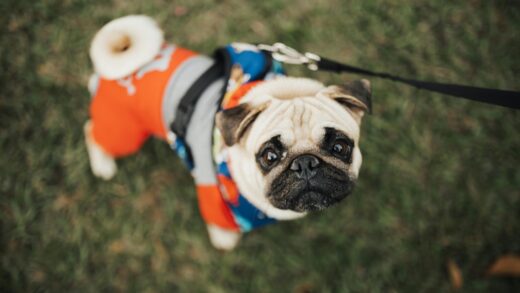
(338,148)
(269,156)
(341,149)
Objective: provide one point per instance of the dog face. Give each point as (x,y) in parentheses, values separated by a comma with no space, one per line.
(293,144)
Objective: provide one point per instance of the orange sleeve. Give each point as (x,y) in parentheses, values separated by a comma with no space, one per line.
(213,208)
(115,127)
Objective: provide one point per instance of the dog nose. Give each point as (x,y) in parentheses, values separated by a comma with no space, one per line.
(305,166)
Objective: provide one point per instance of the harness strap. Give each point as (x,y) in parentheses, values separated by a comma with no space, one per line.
(189,101)
(220,69)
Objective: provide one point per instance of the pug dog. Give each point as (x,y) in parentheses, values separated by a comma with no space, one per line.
(291,145)
(294,144)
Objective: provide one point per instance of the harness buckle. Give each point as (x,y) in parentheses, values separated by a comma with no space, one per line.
(289,55)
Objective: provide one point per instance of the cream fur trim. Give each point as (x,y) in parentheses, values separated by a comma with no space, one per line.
(125,44)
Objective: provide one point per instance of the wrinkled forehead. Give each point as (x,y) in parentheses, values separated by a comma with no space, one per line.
(301,121)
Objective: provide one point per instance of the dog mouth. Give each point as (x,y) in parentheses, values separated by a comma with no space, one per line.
(309,198)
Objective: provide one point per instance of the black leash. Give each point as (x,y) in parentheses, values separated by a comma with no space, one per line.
(505,98)
(286,54)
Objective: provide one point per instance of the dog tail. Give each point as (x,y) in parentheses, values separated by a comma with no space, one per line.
(124,44)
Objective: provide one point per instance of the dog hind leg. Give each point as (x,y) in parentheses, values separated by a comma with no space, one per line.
(102,164)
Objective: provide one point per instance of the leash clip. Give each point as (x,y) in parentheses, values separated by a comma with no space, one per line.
(283,53)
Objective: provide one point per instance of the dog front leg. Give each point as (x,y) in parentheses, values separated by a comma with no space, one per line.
(223,239)
(102,164)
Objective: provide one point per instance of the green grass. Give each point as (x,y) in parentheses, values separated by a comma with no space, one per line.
(440,178)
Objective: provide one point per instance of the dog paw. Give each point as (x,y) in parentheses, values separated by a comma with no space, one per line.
(103,167)
(223,239)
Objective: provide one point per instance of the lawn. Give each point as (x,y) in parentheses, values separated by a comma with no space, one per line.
(440,180)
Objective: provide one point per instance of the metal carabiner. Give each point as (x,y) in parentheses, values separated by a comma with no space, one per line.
(286,54)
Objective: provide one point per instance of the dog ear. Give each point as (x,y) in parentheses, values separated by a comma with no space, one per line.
(234,122)
(355,96)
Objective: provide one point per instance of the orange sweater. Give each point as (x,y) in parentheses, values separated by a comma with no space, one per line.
(125,112)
